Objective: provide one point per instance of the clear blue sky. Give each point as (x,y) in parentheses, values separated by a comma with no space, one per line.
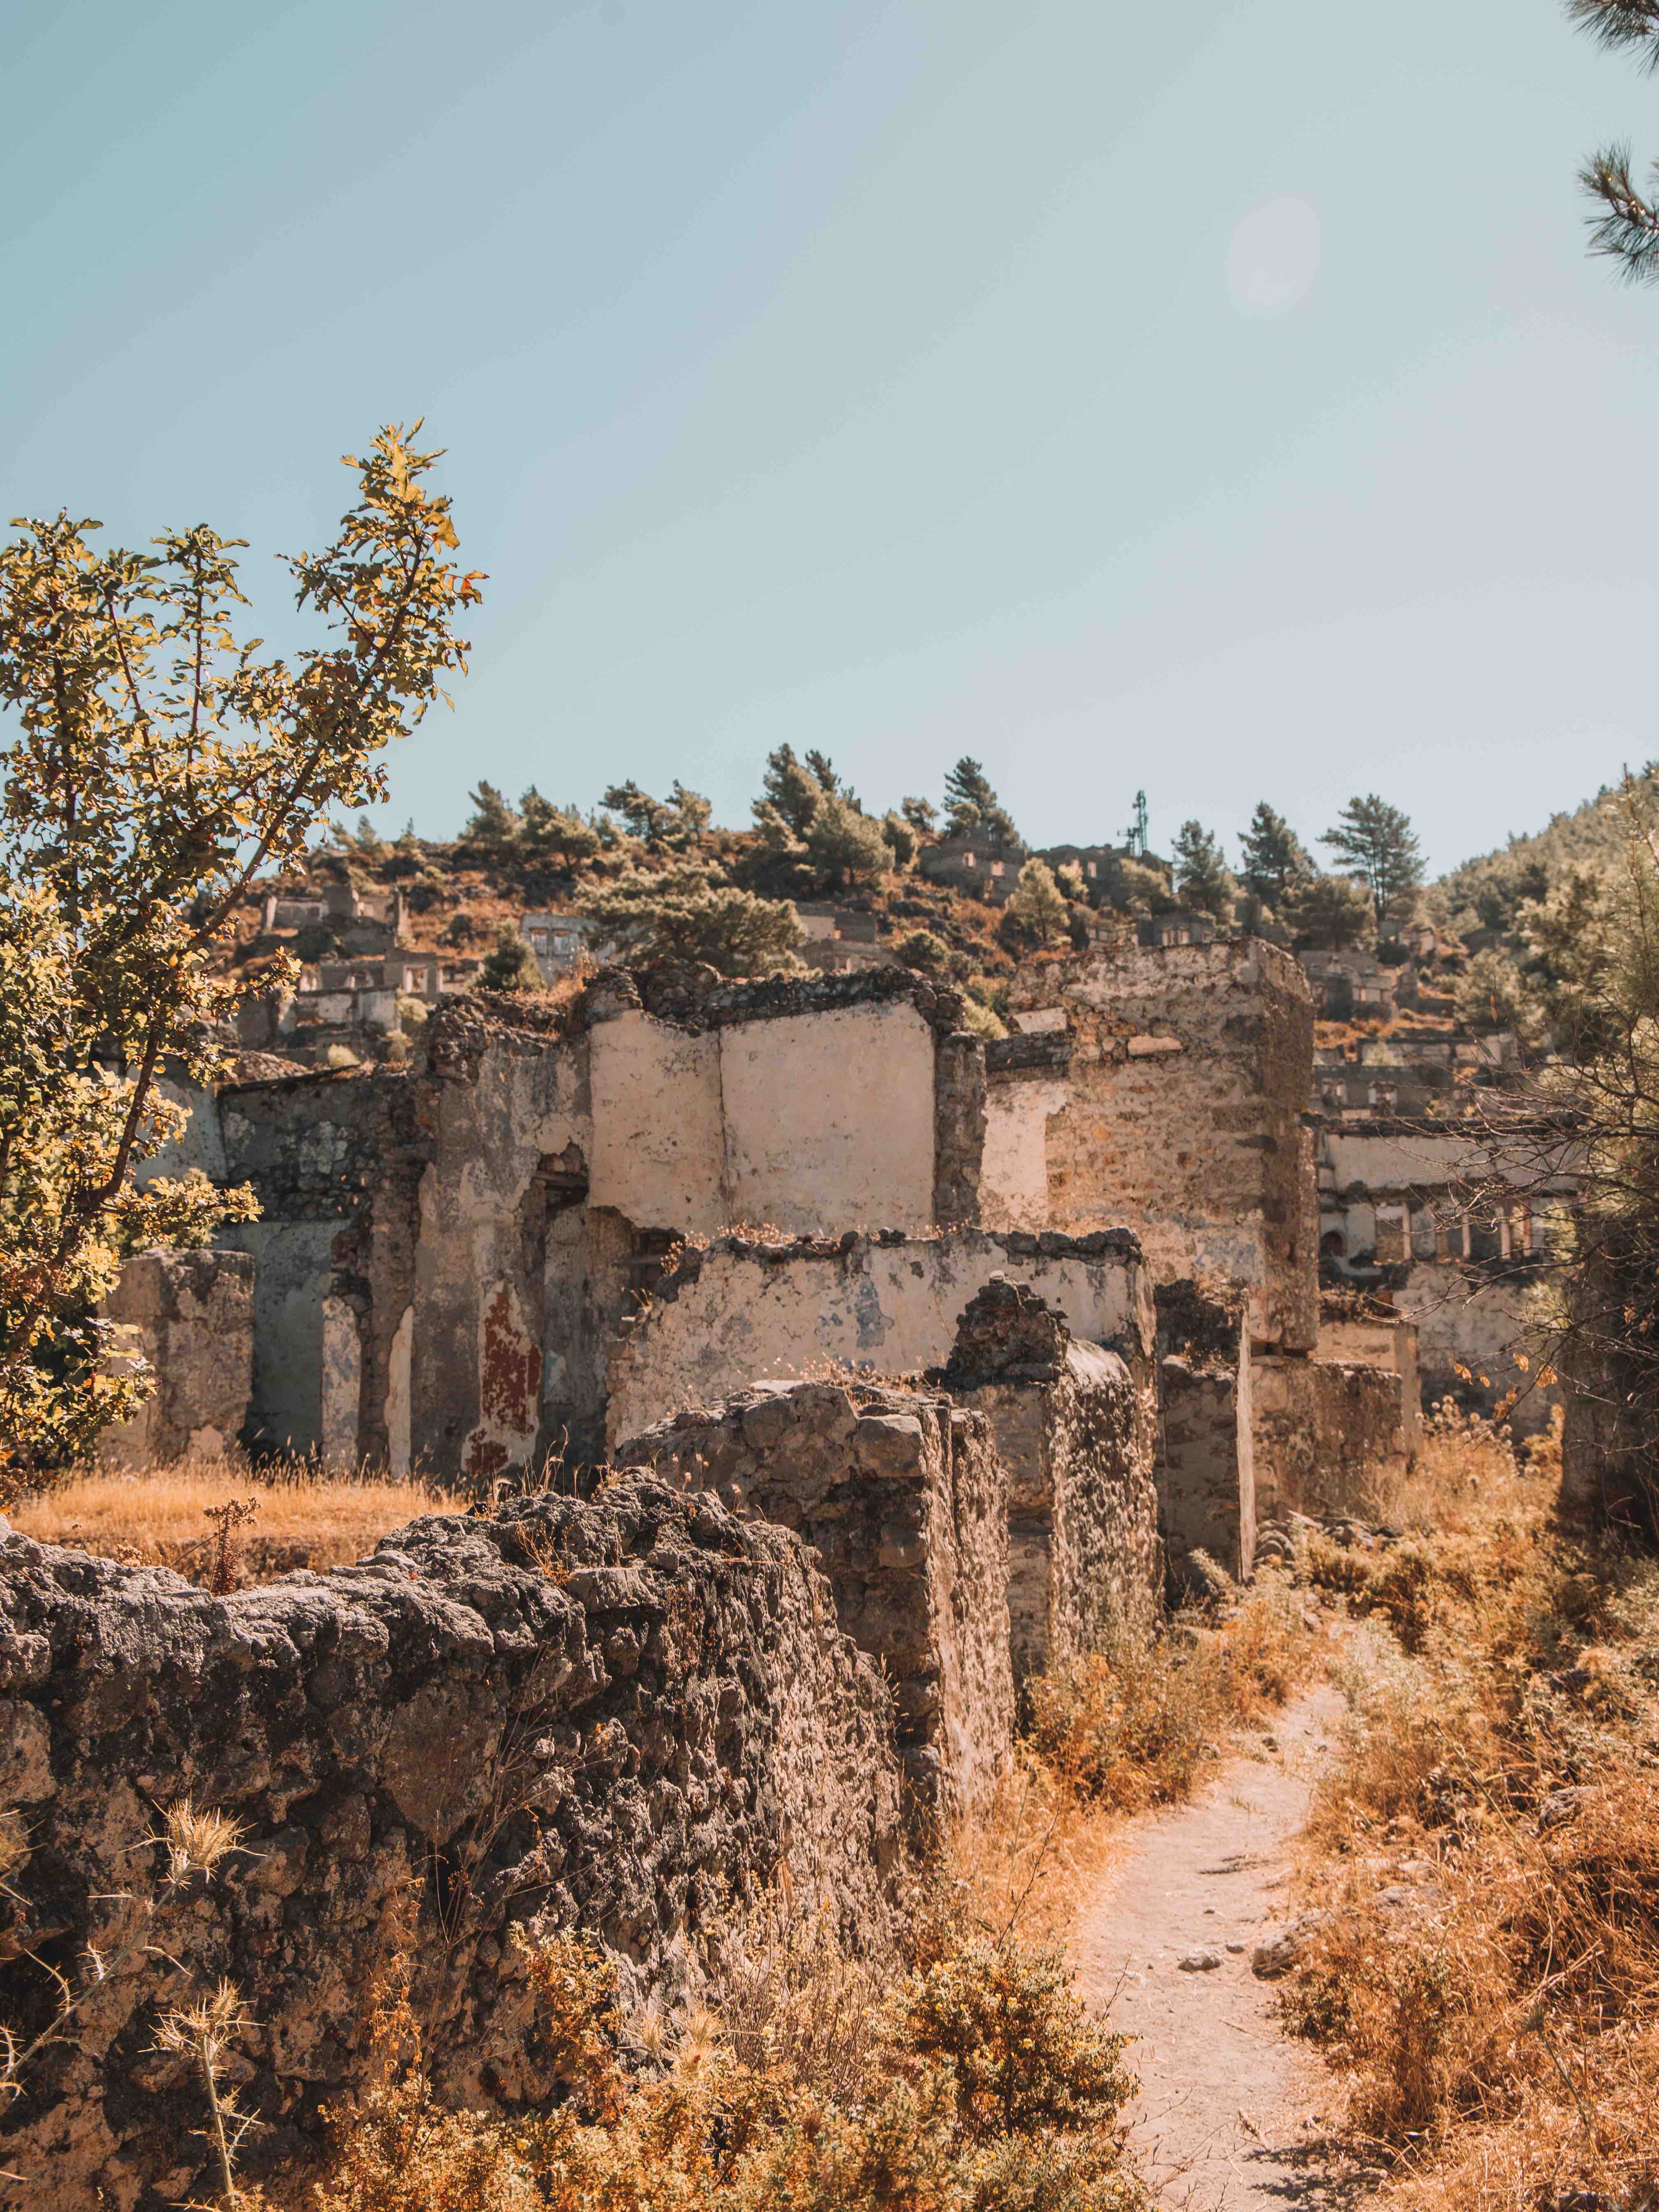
(1214,399)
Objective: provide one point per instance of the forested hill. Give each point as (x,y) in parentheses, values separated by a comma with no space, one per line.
(1487,892)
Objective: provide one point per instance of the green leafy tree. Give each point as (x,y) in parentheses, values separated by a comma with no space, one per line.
(1203,881)
(1136,887)
(509,964)
(921,814)
(685,913)
(1274,857)
(1376,843)
(1330,914)
(493,827)
(1037,907)
(971,804)
(1492,995)
(158,768)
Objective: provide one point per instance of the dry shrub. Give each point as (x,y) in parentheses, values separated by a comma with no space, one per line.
(307,1517)
(982,2086)
(1486,1974)
(1133,1727)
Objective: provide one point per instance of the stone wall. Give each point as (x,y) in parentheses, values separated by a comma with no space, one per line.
(614,1716)
(740,1311)
(1207,1467)
(188,1315)
(1186,1071)
(1330,1435)
(905,1503)
(1075,1429)
(1377,1340)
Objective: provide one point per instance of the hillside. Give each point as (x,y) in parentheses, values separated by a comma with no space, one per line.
(1487,892)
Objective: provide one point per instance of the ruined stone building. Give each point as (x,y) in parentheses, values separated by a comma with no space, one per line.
(546,1239)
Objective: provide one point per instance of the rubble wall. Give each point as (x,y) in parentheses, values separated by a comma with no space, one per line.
(1206,1464)
(1187,1070)
(1085,1559)
(904,1502)
(740,1312)
(1329,1434)
(190,1316)
(615,1715)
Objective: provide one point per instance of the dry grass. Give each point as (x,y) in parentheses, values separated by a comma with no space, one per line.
(305,1519)
(974,2081)
(1129,1728)
(1486,1853)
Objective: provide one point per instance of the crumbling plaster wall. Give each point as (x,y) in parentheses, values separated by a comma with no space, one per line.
(1476,1318)
(740,1312)
(617,1716)
(444,1254)
(904,1502)
(1187,1070)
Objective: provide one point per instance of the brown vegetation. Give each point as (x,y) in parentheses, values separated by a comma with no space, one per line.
(170,1517)
(1131,1729)
(1485,1972)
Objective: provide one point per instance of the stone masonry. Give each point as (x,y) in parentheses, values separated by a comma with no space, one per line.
(1076,1429)
(190,1316)
(1206,1476)
(1165,1089)
(614,1716)
(904,1500)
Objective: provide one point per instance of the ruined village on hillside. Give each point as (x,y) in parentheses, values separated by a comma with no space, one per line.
(830,1510)
(809,1371)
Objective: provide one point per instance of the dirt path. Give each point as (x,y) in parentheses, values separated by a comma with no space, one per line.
(1228,2112)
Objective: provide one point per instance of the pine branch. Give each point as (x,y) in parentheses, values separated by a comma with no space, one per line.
(1615,23)
(1629,231)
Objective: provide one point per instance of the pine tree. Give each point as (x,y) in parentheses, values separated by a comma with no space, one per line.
(672,825)
(510,965)
(1274,856)
(1627,229)
(1037,907)
(845,846)
(790,790)
(971,804)
(1377,844)
(921,814)
(494,827)
(683,914)
(902,839)
(1202,878)
(555,833)
(1331,913)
